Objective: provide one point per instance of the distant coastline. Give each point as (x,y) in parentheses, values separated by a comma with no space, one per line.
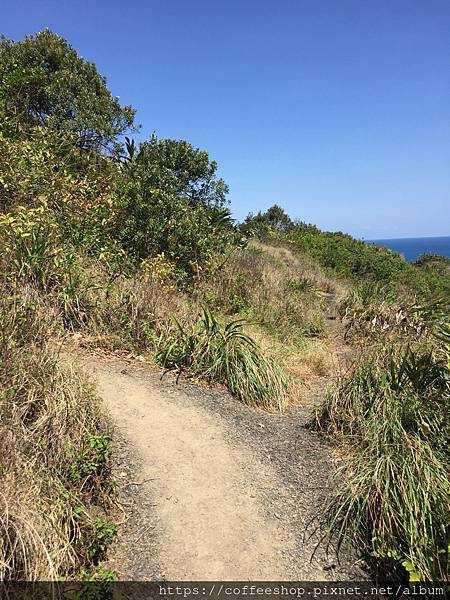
(412,248)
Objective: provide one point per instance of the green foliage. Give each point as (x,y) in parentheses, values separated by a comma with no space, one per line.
(98,574)
(392,412)
(35,254)
(175,166)
(33,248)
(90,467)
(274,221)
(95,535)
(354,259)
(99,539)
(43,172)
(44,81)
(346,255)
(171,203)
(30,169)
(225,354)
(95,586)
(434,262)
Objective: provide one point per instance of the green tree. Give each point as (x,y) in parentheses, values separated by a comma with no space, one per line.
(177,167)
(43,81)
(274,220)
(171,202)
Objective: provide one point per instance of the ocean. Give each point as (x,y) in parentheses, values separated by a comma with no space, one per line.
(412,248)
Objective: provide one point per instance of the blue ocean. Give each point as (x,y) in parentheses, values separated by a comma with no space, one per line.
(412,248)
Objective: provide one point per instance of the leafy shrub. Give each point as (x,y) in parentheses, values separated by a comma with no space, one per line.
(33,249)
(346,255)
(97,539)
(269,224)
(44,172)
(225,354)
(90,468)
(171,203)
(36,255)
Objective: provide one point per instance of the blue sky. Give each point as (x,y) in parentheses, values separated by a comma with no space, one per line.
(336,109)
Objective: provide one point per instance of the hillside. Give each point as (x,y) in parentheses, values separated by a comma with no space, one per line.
(321,348)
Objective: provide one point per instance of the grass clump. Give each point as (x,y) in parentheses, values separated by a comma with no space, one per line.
(284,297)
(391,414)
(47,413)
(380,314)
(225,354)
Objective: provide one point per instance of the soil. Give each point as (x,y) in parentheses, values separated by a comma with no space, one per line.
(213,489)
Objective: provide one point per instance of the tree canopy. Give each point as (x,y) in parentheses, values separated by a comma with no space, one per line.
(43,81)
(173,203)
(176,166)
(274,220)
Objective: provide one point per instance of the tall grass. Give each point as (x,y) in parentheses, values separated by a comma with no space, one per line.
(48,415)
(225,354)
(283,298)
(392,415)
(384,312)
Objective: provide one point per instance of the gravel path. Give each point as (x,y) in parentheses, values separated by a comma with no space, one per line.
(213,490)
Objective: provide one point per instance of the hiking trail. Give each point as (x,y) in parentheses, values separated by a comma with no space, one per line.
(212,489)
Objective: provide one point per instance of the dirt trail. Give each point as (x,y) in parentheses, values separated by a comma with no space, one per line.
(228,491)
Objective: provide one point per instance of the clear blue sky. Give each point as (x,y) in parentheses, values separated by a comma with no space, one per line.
(336,109)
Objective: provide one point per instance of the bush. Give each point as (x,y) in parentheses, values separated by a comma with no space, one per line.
(44,172)
(47,412)
(33,249)
(90,467)
(434,263)
(225,354)
(392,415)
(170,202)
(44,81)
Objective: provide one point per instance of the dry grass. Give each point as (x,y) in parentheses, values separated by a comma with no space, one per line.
(302,264)
(380,313)
(127,312)
(283,297)
(272,287)
(308,367)
(46,413)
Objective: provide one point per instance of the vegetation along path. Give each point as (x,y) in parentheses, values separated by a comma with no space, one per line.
(215,490)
